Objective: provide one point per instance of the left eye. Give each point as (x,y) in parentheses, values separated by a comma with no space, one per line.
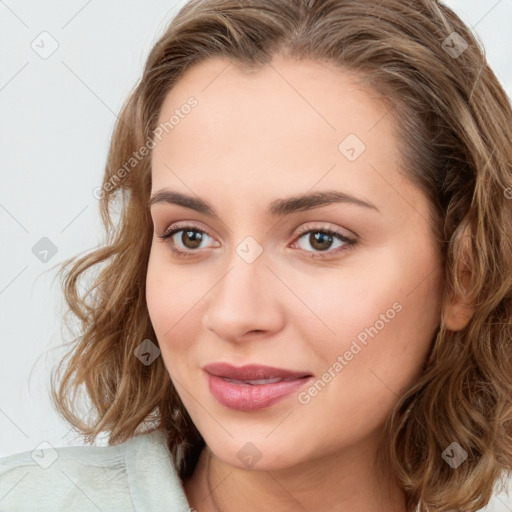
(320,240)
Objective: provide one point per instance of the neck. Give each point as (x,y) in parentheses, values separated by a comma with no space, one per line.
(345,482)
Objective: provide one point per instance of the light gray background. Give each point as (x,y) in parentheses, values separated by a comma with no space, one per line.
(57,117)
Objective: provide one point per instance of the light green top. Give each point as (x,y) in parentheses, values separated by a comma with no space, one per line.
(138,475)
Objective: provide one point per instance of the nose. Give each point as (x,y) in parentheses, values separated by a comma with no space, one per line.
(245,301)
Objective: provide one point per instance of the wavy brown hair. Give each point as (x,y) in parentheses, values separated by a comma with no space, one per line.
(454,129)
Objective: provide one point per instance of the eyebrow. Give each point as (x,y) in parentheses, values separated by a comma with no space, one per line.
(277,208)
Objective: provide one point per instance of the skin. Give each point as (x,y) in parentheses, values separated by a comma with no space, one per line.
(254,138)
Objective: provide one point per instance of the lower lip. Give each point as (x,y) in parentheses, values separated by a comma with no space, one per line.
(247,397)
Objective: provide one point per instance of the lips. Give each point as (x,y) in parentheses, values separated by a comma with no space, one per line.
(252,387)
(253,374)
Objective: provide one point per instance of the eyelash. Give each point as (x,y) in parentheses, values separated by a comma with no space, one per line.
(349,242)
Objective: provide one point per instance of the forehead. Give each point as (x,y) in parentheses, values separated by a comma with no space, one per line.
(288,125)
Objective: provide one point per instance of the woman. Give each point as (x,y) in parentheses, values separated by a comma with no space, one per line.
(306,302)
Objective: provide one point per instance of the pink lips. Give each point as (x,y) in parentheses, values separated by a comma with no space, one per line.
(244,389)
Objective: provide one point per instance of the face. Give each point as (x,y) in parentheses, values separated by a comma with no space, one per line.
(344,291)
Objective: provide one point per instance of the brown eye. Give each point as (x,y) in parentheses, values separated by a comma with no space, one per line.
(323,242)
(320,240)
(188,242)
(191,239)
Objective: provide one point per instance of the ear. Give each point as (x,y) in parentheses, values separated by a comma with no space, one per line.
(457,315)
(458,312)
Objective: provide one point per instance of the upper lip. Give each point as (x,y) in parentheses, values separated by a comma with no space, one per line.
(251,372)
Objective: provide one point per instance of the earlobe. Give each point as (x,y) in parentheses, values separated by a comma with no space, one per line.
(457,316)
(458,311)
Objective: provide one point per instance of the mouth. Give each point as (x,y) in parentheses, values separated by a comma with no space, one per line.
(252,372)
(252,387)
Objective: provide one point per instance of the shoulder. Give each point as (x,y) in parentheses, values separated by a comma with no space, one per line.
(138,474)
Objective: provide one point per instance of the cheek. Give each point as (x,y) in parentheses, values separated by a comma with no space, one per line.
(381,343)
(158,302)
(381,318)
(337,307)
(173,296)
(164,296)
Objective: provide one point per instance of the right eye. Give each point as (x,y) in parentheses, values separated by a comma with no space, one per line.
(190,239)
